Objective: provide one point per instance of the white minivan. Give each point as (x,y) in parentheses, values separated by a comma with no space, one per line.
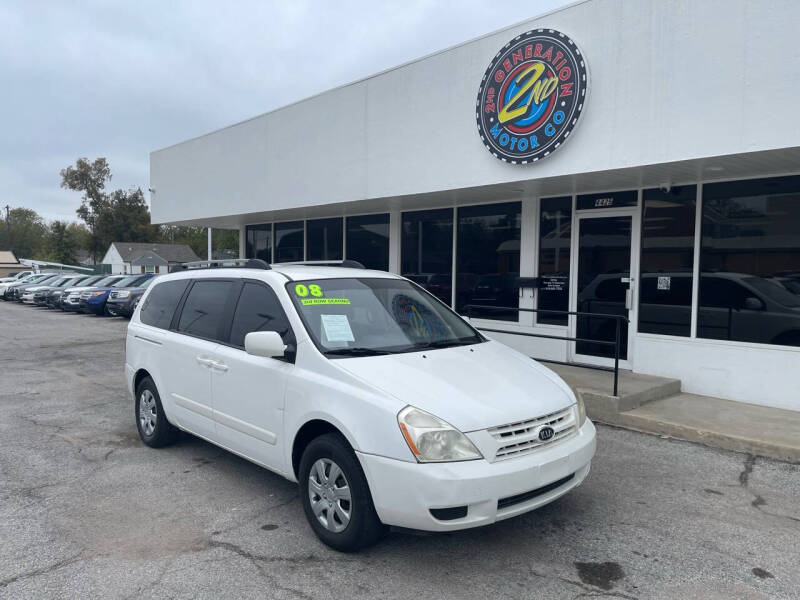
(385,406)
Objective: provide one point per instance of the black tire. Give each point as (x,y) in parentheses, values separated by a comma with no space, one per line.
(364,527)
(163,433)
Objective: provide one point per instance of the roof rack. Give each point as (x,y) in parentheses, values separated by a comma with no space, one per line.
(226,263)
(348,264)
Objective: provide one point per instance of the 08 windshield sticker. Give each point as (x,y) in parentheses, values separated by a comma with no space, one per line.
(303,292)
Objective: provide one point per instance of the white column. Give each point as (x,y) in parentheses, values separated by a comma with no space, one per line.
(209,243)
(528,256)
(242,241)
(395,224)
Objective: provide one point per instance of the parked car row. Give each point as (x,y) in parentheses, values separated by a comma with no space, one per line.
(109,295)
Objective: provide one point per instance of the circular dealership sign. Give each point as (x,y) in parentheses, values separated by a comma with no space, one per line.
(531,96)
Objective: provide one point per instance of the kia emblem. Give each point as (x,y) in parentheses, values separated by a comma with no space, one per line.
(546,433)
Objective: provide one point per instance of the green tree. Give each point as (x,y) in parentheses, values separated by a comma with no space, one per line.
(121,216)
(23,233)
(61,244)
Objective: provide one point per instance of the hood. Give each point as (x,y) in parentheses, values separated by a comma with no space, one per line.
(470,387)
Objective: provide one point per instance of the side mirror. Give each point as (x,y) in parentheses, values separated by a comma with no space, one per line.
(264,343)
(751,303)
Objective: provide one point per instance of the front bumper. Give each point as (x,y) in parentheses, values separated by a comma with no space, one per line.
(122,308)
(405,492)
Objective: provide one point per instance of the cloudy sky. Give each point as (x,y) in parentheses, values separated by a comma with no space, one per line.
(120,79)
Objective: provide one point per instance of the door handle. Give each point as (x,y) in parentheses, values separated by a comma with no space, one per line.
(205,361)
(219,366)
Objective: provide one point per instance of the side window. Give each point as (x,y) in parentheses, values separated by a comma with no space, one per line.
(160,304)
(258,310)
(204,307)
(721,293)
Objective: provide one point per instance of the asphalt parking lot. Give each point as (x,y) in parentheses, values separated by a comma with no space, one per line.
(89,511)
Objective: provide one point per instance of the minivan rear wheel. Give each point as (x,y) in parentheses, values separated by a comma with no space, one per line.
(336,496)
(154,429)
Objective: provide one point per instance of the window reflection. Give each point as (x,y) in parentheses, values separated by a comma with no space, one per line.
(324,239)
(667,259)
(368,241)
(750,262)
(488,256)
(258,242)
(289,241)
(555,234)
(427,250)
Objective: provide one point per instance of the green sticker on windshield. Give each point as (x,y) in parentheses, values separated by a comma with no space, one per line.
(304,290)
(315,301)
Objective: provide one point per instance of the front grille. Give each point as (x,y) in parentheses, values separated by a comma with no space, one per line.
(525,496)
(522,437)
(85,295)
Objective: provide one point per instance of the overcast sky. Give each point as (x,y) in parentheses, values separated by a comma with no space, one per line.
(96,78)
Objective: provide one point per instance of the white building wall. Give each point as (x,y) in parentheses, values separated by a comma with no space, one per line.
(669,81)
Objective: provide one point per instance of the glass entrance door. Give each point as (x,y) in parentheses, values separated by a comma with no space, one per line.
(603,285)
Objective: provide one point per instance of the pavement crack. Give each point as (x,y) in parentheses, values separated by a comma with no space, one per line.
(42,571)
(744,476)
(758,501)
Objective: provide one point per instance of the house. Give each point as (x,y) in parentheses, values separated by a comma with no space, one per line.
(137,257)
(9,264)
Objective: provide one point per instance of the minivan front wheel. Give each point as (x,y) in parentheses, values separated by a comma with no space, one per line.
(336,497)
(154,429)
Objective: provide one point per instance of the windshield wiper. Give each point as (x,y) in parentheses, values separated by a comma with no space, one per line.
(355,352)
(445,343)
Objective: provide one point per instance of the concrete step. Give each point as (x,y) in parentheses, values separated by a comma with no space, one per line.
(719,423)
(596,389)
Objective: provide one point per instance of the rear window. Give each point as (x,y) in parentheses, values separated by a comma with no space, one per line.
(159,306)
(203,310)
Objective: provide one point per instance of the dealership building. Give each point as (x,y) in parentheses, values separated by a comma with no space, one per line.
(612,170)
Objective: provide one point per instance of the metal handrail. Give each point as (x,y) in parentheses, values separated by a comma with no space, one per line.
(617,334)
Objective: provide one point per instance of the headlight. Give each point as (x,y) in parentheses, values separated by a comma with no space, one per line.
(581,408)
(124,294)
(97,293)
(432,440)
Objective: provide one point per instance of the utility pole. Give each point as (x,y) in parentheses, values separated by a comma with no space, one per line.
(8,223)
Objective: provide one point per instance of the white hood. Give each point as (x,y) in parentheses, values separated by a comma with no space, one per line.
(470,387)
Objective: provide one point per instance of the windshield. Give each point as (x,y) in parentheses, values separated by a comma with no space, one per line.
(126,281)
(107,281)
(35,278)
(774,291)
(48,280)
(368,316)
(147,282)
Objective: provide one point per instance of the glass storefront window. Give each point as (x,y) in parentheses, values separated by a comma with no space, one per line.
(289,241)
(665,284)
(258,242)
(427,250)
(324,239)
(750,262)
(555,235)
(488,256)
(368,241)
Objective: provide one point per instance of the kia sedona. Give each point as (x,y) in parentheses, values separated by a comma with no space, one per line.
(385,406)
